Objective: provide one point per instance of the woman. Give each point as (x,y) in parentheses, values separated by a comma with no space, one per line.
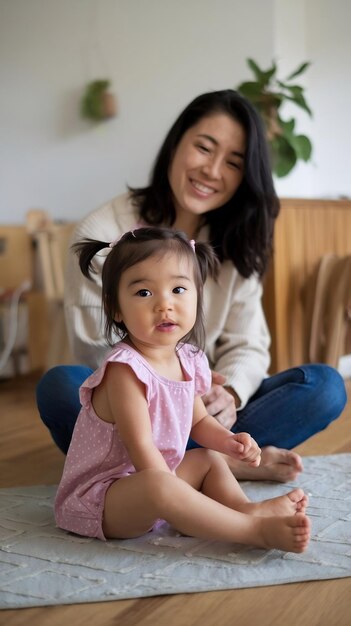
(212,180)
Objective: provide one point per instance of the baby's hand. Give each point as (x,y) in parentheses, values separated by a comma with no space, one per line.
(243,447)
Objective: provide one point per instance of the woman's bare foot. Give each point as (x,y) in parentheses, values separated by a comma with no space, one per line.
(276,464)
(289,504)
(290,534)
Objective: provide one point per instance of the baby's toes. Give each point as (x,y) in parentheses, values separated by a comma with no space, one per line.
(301,505)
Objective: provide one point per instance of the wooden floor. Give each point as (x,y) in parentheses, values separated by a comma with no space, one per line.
(28,457)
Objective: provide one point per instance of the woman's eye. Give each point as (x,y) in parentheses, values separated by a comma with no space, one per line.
(202,148)
(143,293)
(233,164)
(179,289)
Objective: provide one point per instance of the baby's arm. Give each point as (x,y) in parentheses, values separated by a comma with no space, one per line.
(125,396)
(211,434)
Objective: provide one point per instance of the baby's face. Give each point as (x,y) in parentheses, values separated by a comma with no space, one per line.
(158,300)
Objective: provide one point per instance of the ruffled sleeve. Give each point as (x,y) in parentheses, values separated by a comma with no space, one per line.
(203,374)
(196,363)
(119,354)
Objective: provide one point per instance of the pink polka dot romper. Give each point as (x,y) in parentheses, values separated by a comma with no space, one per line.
(97,456)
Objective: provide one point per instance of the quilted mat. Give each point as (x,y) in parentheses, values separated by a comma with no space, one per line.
(43,565)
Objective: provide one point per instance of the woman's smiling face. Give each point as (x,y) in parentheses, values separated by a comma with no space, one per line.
(208,164)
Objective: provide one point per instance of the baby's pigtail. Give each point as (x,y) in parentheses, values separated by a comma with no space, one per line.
(86,249)
(208,260)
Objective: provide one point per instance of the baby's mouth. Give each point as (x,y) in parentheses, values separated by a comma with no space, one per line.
(166,325)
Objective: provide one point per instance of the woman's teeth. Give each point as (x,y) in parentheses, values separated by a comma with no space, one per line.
(201,187)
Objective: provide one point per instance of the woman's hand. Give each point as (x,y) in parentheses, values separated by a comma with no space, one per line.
(220,402)
(242,447)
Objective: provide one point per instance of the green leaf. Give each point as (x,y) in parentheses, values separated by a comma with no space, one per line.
(267,93)
(287,127)
(250,90)
(295,90)
(254,67)
(278,97)
(302,68)
(97,86)
(263,76)
(302,146)
(300,101)
(283,156)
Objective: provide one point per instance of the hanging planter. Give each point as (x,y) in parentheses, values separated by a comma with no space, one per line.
(98,103)
(267,93)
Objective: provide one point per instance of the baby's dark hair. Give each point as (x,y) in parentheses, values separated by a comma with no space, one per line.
(134,247)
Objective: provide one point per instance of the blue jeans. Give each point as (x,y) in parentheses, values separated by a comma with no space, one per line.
(287,409)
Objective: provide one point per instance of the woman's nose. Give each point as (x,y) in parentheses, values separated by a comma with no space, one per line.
(212,168)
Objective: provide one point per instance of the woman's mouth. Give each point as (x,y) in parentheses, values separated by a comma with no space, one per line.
(202,188)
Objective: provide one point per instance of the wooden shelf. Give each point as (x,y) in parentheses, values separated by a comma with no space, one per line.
(305,231)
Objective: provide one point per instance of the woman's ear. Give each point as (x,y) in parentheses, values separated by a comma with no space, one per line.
(118,317)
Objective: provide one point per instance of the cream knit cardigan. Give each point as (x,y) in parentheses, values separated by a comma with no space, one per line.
(237,338)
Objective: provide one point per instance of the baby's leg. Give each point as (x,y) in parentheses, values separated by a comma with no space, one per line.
(133,497)
(134,503)
(130,508)
(208,472)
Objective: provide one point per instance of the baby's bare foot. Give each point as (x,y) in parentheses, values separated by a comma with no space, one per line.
(289,504)
(276,464)
(291,534)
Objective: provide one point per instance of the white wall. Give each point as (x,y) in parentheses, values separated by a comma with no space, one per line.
(159,54)
(319,31)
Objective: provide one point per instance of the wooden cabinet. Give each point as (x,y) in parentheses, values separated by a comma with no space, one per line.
(17,266)
(305,230)
(38,257)
(16,262)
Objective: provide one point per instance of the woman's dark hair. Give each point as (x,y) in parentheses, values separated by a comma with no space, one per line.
(242,229)
(134,247)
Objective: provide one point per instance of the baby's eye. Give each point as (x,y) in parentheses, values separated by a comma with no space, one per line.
(179,289)
(143,293)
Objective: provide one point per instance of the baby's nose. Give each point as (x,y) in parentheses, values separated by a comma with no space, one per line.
(164,303)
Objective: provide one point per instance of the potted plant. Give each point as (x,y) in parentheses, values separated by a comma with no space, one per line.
(98,103)
(267,93)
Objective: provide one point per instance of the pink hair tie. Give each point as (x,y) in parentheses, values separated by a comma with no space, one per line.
(192,243)
(113,243)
